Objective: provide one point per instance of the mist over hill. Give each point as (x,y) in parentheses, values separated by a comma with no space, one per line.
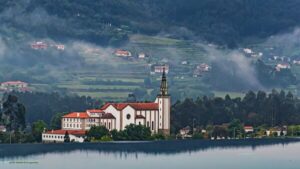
(169,31)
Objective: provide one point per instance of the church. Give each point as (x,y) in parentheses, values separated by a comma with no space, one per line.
(155,115)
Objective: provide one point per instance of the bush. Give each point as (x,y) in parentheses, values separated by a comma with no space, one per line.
(197,136)
(97,132)
(106,138)
(158,137)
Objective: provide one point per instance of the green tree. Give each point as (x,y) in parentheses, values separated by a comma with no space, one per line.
(56,121)
(137,132)
(236,129)
(97,132)
(67,137)
(37,129)
(13,114)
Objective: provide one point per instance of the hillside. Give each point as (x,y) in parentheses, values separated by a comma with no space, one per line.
(109,22)
(213,47)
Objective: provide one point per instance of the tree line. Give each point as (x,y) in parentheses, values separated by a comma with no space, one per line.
(276,108)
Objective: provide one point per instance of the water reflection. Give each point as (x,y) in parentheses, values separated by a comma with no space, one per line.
(232,154)
(122,149)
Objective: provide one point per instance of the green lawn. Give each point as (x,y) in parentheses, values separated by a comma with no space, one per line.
(80,86)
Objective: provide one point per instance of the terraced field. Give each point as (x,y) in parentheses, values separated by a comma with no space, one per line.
(112,78)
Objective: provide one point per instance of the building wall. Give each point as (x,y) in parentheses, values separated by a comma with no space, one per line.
(60,138)
(110,124)
(164,108)
(116,114)
(128,112)
(72,124)
(140,121)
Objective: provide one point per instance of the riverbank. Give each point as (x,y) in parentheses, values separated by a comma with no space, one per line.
(148,147)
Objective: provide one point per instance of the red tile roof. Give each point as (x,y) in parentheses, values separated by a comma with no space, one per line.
(136,106)
(122,52)
(95,111)
(248,127)
(108,116)
(13,82)
(72,132)
(82,115)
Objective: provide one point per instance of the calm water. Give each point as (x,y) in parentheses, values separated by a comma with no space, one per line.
(262,154)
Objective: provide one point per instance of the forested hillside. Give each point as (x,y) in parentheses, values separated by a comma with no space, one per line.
(109,22)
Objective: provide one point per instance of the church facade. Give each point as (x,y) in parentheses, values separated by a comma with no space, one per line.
(155,115)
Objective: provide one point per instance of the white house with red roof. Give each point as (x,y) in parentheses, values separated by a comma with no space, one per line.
(59,136)
(161,69)
(39,45)
(155,115)
(122,53)
(14,85)
(248,129)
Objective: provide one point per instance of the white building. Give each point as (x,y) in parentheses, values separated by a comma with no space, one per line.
(161,69)
(248,129)
(155,115)
(122,53)
(59,136)
(141,55)
(14,85)
(282,66)
(278,131)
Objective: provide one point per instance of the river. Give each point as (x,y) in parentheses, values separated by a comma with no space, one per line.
(188,154)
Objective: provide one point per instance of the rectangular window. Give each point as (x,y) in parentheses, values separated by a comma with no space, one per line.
(148,124)
(109,125)
(152,125)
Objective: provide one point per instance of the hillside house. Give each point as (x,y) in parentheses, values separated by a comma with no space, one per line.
(296,62)
(161,68)
(184,62)
(60,47)
(142,55)
(282,66)
(200,69)
(122,53)
(247,51)
(39,45)
(14,86)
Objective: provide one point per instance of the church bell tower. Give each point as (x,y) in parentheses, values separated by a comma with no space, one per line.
(164,106)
